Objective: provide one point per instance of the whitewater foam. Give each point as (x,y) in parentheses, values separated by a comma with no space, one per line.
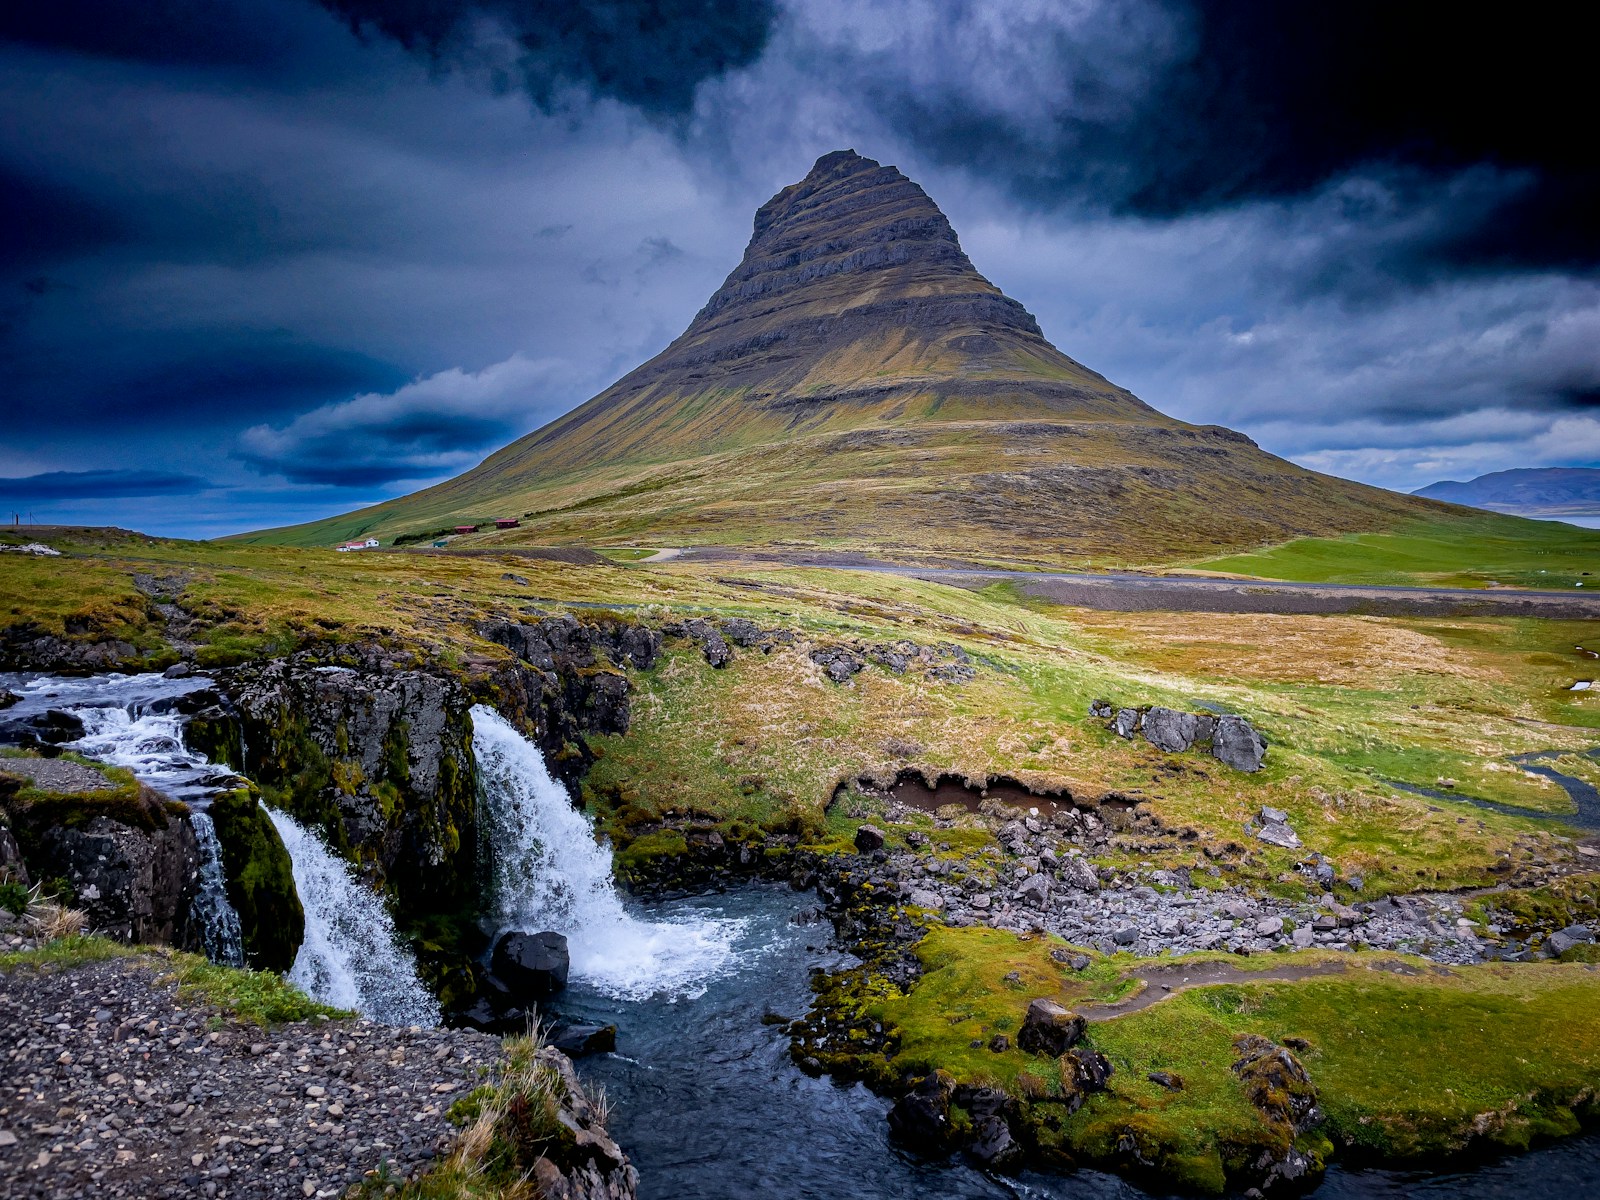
(351,956)
(548,872)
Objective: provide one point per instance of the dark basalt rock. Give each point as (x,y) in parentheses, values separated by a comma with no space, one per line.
(1237,744)
(920,1119)
(577,1040)
(533,966)
(376,758)
(838,663)
(1088,1070)
(54,727)
(869,838)
(133,884)
(1049,1029)
(260,881)
(1232,740)
(697,629)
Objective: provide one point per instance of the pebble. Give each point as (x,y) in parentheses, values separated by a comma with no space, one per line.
(151,1102)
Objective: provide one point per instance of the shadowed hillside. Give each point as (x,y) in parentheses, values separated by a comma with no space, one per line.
(855,383)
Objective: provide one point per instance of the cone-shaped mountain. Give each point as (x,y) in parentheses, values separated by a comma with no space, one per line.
(856,383)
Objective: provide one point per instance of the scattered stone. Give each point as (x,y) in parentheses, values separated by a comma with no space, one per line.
(868,839)
(1166,1079)
(1049,1029)
(1279,834)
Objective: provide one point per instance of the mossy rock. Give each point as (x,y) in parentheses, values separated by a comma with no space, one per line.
(260,881)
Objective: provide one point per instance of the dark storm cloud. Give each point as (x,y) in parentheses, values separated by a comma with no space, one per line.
(58,485)
(1164,109)
(431,426)
(337,248)
(648,53)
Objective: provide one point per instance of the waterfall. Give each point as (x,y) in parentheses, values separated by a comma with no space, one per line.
(128,721)
(220,931)
(351,956)
(547,872)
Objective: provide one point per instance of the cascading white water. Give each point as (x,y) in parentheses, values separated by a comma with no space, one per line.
(220,931)
(549,873)
(129,721)
(351,956)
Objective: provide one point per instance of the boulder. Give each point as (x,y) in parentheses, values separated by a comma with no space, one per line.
(531,965)
(1034,890)
(1237,744)
(920,1119)
(1273,816)
(1049,1029)
(869,838)
(577,1040)
(1566,939)
(1126,722)
(1078,873)
(1101,709)
(838,663)
(1280,835)
(923,898)
(1170,730)
(1166,1079)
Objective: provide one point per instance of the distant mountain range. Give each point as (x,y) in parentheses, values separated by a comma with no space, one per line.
(857,384)
(1526,491)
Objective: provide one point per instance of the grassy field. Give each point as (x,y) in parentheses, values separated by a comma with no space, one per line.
(1478,551)
(1348,704)
(1409,1059)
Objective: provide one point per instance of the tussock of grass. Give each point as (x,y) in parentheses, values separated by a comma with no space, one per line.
(508,1124)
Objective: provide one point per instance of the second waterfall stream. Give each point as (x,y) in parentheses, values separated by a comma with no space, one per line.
(547,872)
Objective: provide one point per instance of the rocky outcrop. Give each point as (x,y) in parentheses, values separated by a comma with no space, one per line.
(1230,739)
(584,1163)
(260,881)
(135,885)
(567,681)
(379,760)
(26,646)
(123,854)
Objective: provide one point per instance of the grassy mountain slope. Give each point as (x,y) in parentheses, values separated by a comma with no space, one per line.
(856,383)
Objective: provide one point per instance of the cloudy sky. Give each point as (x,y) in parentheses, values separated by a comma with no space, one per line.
(266,260)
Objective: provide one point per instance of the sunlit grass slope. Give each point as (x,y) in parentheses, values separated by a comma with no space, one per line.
(1478,550)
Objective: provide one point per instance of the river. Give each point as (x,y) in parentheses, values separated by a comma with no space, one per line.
(706,1101)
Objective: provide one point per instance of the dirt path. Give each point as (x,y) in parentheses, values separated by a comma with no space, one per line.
(1162,983)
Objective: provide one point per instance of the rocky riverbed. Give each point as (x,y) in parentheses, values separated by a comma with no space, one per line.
(1046,881)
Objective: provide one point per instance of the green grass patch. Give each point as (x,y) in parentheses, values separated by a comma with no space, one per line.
(1459,552)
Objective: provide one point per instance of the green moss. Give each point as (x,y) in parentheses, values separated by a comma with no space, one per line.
(1411,1060)
(260,881)
(259,997)
(640,857)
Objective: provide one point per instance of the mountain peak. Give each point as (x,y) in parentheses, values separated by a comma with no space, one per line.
(850,216)
(856,381)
